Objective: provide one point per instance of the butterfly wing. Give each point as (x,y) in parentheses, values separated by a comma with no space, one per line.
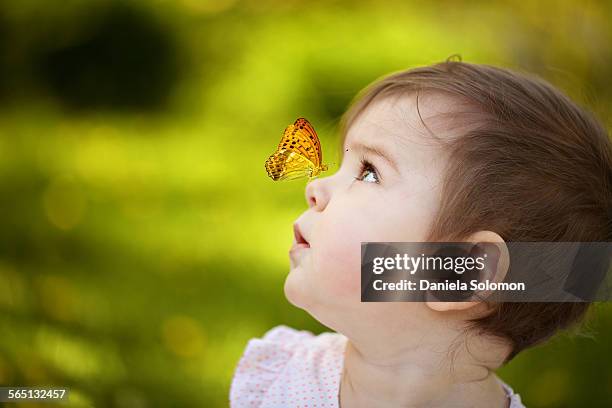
(298,154)
(288,165)
(301,138)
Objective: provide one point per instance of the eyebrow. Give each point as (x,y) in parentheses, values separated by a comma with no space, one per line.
(376,151)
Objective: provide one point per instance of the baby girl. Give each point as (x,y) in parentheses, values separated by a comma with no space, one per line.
(450,152)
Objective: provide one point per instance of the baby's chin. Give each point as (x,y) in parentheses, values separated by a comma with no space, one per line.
(295,286)
(301,293)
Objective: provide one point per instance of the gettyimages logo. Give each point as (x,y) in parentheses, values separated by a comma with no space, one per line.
(466,271)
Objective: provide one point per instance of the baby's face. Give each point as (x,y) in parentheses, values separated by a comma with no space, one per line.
(387,189)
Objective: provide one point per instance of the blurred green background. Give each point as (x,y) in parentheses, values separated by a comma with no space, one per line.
(142,243)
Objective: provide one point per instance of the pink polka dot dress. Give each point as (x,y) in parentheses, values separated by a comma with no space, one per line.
(289,368)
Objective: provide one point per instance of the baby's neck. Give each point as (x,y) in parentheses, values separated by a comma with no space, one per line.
(418,377)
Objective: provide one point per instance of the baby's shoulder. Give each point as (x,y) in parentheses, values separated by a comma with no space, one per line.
(515,399)
(286,336)
(264,360)
(298,341)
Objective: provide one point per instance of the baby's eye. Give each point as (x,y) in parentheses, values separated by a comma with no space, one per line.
(367,172)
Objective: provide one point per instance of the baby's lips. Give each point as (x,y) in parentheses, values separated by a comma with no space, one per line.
(298,236)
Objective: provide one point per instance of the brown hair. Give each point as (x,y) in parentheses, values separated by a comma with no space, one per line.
(534,167)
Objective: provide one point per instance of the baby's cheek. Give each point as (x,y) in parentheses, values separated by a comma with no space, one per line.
(338,262)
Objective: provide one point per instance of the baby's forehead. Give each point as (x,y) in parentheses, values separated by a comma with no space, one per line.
(400,118)
(392,125)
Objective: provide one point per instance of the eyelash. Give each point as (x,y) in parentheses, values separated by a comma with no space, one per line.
(365,164)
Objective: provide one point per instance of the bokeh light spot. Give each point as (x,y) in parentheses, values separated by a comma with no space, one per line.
(183,336)
(64,202)
(58,297)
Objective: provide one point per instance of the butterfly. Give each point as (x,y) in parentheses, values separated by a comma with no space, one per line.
(298,154)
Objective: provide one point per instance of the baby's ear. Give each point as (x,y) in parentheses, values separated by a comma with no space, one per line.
(493,247)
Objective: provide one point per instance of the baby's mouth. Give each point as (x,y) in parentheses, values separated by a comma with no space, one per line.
(300,241)
(300,246)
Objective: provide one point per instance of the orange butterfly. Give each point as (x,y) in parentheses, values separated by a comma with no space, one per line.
(298,154)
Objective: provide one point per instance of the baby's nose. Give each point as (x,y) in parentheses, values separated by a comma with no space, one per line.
(317,194)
